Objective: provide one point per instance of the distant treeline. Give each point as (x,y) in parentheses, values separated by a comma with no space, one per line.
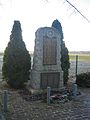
(79,52)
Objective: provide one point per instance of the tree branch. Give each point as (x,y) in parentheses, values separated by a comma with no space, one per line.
(78,11)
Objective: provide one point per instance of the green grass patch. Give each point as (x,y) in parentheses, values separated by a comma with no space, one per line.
(81,57)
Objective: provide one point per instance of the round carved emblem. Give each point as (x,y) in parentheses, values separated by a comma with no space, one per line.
(50,33)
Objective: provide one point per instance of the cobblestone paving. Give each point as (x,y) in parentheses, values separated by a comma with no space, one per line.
(78,109)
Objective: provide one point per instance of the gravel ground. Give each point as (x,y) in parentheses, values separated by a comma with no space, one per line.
(19,108)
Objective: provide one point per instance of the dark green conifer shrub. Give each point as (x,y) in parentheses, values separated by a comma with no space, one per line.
(16,60)
(64,52)
(83,80)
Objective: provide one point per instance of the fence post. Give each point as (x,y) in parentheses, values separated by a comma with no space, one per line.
(76,65)
(48,95)
(5,100)
(74,90)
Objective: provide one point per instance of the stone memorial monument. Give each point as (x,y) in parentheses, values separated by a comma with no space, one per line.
(46,69)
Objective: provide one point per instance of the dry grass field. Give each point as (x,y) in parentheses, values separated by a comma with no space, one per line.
(81,57)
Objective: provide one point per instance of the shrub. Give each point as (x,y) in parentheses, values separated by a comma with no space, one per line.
(65,64)
(16,60)
(83,80)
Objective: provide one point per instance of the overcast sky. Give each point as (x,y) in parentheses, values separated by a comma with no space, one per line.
(40,13)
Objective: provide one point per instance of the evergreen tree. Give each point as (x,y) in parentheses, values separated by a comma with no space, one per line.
(64,52)
(16,60)
(56,24)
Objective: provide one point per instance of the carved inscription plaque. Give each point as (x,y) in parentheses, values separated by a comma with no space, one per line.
(49,50)
(50,79)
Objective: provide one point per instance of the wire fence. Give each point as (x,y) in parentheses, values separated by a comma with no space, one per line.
(82,67)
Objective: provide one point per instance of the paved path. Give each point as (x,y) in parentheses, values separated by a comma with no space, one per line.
(80,108)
